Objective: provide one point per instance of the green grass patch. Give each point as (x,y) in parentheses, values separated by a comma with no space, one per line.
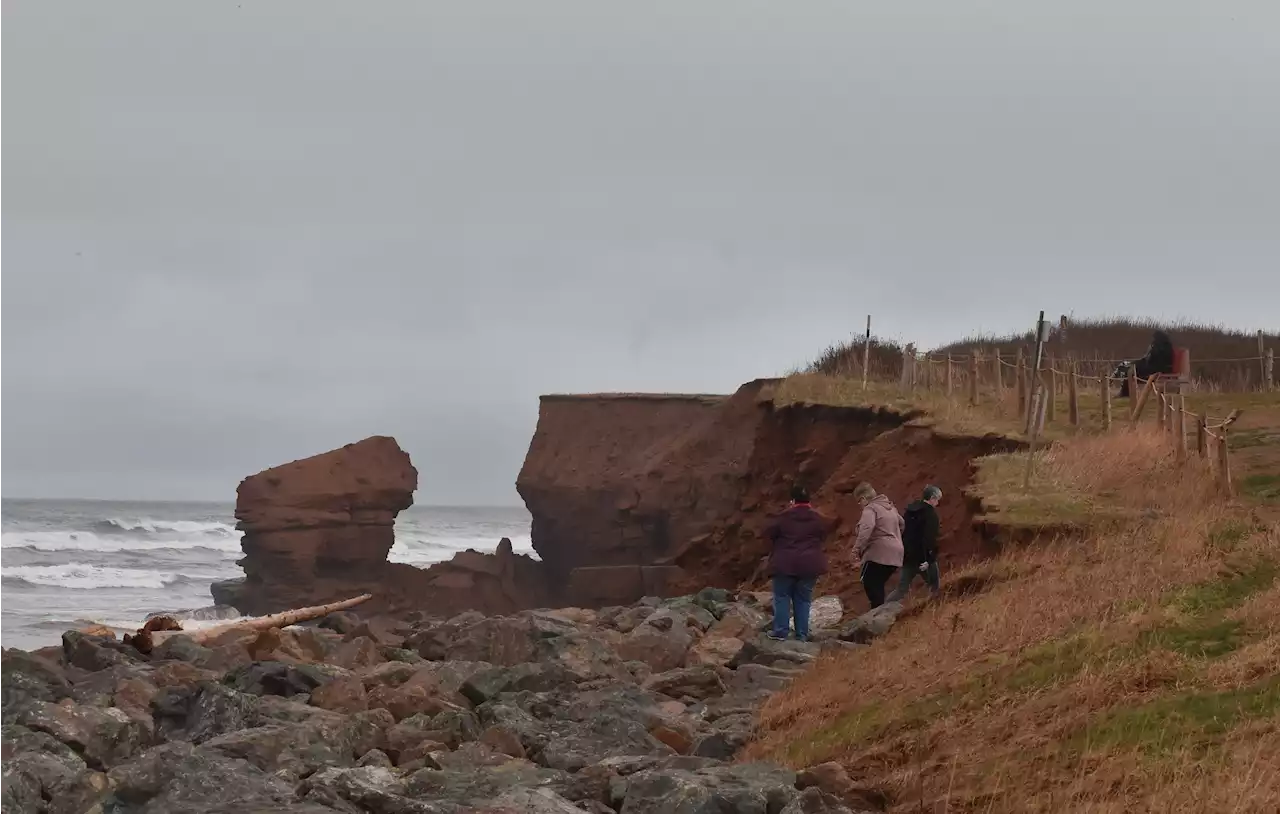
(1049,663)
(1261,487)
(1243,439)
(1230,589)
(998,482)
(870,723)
(1195,720)
(1199,639)
(1226,536)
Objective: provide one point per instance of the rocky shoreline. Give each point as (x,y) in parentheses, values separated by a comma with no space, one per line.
(629,710)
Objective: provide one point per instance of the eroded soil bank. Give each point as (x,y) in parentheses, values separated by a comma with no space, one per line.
(690,481)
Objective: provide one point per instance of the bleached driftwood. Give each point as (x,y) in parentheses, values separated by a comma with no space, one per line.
(282,619)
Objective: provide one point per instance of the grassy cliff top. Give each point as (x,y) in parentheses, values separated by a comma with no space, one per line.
(1131,666)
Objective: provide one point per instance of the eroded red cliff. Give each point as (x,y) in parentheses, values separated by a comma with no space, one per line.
(636,481)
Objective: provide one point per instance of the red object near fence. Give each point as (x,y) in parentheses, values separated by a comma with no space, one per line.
(1182,364)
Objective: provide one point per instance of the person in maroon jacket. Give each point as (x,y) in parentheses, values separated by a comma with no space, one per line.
(796,561)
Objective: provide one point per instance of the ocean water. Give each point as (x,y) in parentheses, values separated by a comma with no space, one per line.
(66,563)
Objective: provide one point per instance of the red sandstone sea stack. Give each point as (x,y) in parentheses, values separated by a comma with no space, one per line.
(319,530)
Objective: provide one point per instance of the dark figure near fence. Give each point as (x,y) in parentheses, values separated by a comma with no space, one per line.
(1159,359)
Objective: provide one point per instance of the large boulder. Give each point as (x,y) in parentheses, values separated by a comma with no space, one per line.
(319,529)
(746,788)
(103,736)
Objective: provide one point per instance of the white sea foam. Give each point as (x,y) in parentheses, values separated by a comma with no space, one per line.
(89,541)
(80,575)
(413,549)
(173,527)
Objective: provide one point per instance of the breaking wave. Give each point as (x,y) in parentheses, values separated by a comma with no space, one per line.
(413,550)
(93,541)
(168,529)
(82,576)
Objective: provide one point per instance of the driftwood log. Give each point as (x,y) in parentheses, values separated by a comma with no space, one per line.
(160,628)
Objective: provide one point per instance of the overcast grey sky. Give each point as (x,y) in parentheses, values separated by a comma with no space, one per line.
(241,233)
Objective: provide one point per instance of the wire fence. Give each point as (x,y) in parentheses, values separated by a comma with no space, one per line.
(1037,396)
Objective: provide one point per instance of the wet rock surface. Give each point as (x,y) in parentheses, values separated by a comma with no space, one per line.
(635,710)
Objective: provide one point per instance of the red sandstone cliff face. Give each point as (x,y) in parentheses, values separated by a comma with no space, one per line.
(605,481)
(319,529)
(690,481)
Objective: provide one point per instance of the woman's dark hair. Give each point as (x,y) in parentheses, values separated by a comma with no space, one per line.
(799,494)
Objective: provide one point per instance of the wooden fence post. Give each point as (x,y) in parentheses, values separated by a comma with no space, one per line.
(1264,382)
(1020,371)
(1269,369)
(1141,401)
(1224,463)
(866,353)
(973,378)
(1202,435)
(1051,394)
(908,363)
(1073,396)
(1133,391)
(1181,428)
(997,373)
(950,375)
(1162,415)
(1106,401)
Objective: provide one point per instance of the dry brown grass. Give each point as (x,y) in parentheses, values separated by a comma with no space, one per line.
(1133,670)
(1091,480)
(947,413)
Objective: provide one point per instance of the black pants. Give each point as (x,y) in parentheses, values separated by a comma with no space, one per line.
(874,577)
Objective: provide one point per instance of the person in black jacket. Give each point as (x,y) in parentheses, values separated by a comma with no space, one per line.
(920,545)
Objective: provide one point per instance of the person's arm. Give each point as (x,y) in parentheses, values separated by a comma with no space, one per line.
(932,527)
(862,537)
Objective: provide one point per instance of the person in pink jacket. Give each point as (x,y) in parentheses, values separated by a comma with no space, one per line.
(878,544)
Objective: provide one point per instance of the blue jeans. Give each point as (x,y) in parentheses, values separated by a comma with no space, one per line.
(789,593)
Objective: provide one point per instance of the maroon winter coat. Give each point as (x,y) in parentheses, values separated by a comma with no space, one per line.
(797,536)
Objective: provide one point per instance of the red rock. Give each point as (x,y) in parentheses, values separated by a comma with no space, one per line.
(675,735)
(345,694)
(357,654)
(179,673)
(503,740)
(408,700)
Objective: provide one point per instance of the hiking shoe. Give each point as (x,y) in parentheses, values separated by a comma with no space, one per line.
(775,637)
